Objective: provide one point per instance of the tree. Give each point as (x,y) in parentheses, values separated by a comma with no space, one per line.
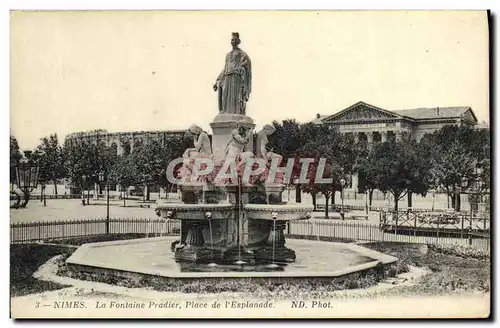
(339,153)
(124,171)
(395,167)
(153,158)
(15,157)
(50,158)
(366,175)
(82,159)
(454,154)
(286,141)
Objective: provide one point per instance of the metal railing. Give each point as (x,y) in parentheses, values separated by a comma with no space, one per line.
(316,230)
(52,230)
(371,232)
(38,197)
(338,208)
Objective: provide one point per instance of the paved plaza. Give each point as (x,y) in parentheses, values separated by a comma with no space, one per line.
(71,209)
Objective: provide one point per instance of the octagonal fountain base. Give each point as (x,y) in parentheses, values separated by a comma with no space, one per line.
(152,257)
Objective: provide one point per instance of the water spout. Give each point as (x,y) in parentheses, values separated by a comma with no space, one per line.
(274,215)
(208,215)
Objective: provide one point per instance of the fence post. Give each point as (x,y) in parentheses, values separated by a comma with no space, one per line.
(397,219)
(437,232)
(462,230)
(414,224)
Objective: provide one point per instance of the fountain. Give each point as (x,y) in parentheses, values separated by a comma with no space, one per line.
(221,218)
(231,211)
(230,220)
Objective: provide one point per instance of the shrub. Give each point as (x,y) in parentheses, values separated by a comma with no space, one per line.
(461,251)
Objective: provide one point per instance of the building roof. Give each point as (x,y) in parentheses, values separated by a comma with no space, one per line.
(433,112)
(319,119)
(483,125)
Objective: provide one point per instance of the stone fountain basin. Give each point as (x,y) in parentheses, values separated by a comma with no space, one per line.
(281,212)
(195,211)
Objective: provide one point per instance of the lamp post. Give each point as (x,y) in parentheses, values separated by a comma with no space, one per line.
(366,204)
(26,180)
(84,184)
(457,193)
(474,192)
(104,178)
(43,195)
(342,184)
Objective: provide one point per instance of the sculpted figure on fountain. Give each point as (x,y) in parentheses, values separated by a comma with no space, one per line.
(202,144)
(262,150)
(202,148)
(237,141)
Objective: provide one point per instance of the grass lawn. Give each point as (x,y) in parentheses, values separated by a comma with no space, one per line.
(454,270)
(25,259)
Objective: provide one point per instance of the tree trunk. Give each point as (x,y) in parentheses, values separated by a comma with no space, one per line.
(148,194)
(313,195)
(55,186)
(410,200)
(124,198)
(396,201)
(298,195)
(326,206)
(457,202)
(370,197)
(333,198)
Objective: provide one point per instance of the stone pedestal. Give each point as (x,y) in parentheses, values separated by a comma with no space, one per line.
(274,193)
(194,249)
(275,249)
(222,126)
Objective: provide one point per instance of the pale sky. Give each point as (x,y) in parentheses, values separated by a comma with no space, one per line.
(128,71)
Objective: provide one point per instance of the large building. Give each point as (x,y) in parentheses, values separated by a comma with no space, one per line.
(124,142)
(375,124)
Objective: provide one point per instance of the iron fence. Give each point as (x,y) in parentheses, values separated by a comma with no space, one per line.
(311,229)
(347,208)
(371,232)
(46,231)
(38,197)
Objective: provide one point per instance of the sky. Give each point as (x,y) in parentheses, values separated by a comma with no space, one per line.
(154,70)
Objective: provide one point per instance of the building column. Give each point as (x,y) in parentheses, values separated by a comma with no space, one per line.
(398,135)
(369,139)
(383,136)
(119,147)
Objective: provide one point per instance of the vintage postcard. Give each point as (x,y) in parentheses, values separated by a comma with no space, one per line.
(250,164)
